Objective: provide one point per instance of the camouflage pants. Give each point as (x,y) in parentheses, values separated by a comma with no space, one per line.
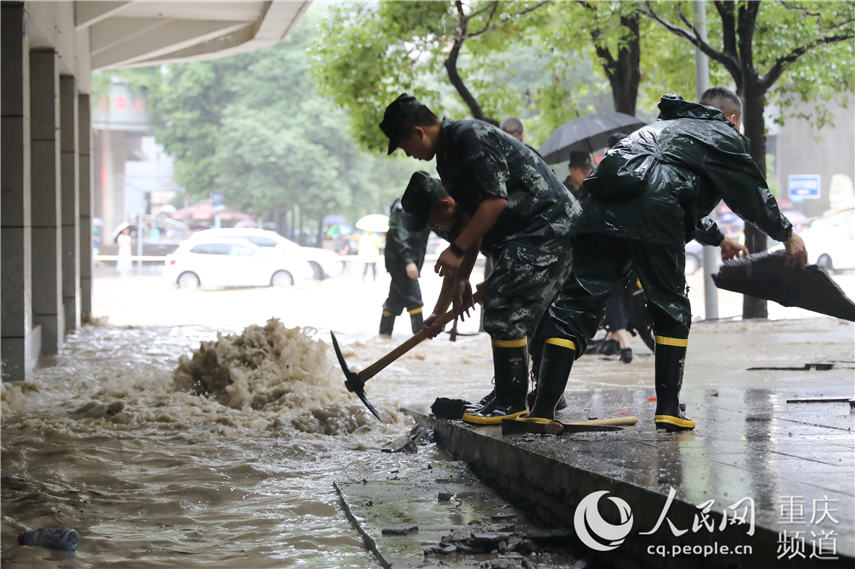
(527,275)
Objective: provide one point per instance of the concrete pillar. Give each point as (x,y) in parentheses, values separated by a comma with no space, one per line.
(15,252)
(70,200)
(47,262)
(85,188)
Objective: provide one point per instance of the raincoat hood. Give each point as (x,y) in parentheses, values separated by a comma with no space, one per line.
(673,106)
(658,184)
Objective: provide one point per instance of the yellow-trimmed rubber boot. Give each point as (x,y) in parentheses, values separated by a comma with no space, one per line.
(510,364)
(555,364)
(416,320)
(670,360)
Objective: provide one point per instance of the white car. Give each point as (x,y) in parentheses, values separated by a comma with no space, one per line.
(830,242)
(324,264)
(231,262)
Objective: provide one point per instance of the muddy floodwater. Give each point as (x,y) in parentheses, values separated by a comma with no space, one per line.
(120,439)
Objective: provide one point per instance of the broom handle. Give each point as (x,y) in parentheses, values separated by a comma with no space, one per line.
(627,420)
(413,341)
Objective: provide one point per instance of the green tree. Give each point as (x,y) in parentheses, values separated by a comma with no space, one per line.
(366,54)
(636,61)
(254,127)
(759,43)
(188,102)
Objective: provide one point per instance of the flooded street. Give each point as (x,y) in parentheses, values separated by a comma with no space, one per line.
(111,438)
(151,476)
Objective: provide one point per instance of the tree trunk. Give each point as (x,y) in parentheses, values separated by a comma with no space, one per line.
(755,130)
(294,223)
(627,74)
(458,84)
(277,221)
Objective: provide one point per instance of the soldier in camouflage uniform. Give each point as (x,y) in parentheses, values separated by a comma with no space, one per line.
(513,207)
(404,255)
(649,195)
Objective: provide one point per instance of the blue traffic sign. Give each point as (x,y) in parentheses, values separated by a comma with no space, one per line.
(804,187)
(218,201)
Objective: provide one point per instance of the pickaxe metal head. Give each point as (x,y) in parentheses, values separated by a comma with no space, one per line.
(352,381)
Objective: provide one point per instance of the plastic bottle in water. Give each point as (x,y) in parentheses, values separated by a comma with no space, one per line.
(52,538)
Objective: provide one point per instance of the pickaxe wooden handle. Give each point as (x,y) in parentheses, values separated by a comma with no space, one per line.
(355,382)
(413,341)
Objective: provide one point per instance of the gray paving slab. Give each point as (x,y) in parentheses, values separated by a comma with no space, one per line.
(423,517)
(792,464)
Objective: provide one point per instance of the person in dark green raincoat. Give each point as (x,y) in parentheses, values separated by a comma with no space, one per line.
(404,255)
(650,195)
(515,209)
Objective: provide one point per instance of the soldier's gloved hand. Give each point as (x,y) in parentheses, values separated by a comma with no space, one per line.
(731,249)
(796,251)
(448,263)
(412,271)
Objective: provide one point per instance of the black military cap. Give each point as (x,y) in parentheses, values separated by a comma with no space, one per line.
(580,160)
(396,116)
(421,195)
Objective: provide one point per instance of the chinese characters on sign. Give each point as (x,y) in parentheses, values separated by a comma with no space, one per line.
(740,512)
(814,542)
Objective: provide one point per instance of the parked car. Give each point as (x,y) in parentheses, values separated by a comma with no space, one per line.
(830,242)
(232,262)
(324,264)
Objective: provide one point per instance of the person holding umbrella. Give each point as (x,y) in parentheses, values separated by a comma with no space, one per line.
(580,166)
(513,207)
(368,253)
(368,250)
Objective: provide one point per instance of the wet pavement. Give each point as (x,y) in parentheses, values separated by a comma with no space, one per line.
(436,513)
(105,440)
(786,468)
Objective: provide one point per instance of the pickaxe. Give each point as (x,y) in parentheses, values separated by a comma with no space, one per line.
(355,382)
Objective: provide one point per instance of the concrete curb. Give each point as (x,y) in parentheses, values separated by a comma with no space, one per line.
(549,490)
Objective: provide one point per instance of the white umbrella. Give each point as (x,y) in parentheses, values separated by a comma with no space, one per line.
(374,222)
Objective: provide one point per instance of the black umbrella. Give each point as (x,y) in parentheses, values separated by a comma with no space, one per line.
(765,275)
(586,134)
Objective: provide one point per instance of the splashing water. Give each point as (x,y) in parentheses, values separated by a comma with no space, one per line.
(159,458)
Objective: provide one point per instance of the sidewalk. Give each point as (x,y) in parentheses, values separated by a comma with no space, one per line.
(785,468)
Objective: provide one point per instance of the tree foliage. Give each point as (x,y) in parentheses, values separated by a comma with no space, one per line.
(758,43)
(254,127)
(367,54)
(546,62)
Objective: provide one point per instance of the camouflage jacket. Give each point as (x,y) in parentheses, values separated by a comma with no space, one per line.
(477,160)
(658,183)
